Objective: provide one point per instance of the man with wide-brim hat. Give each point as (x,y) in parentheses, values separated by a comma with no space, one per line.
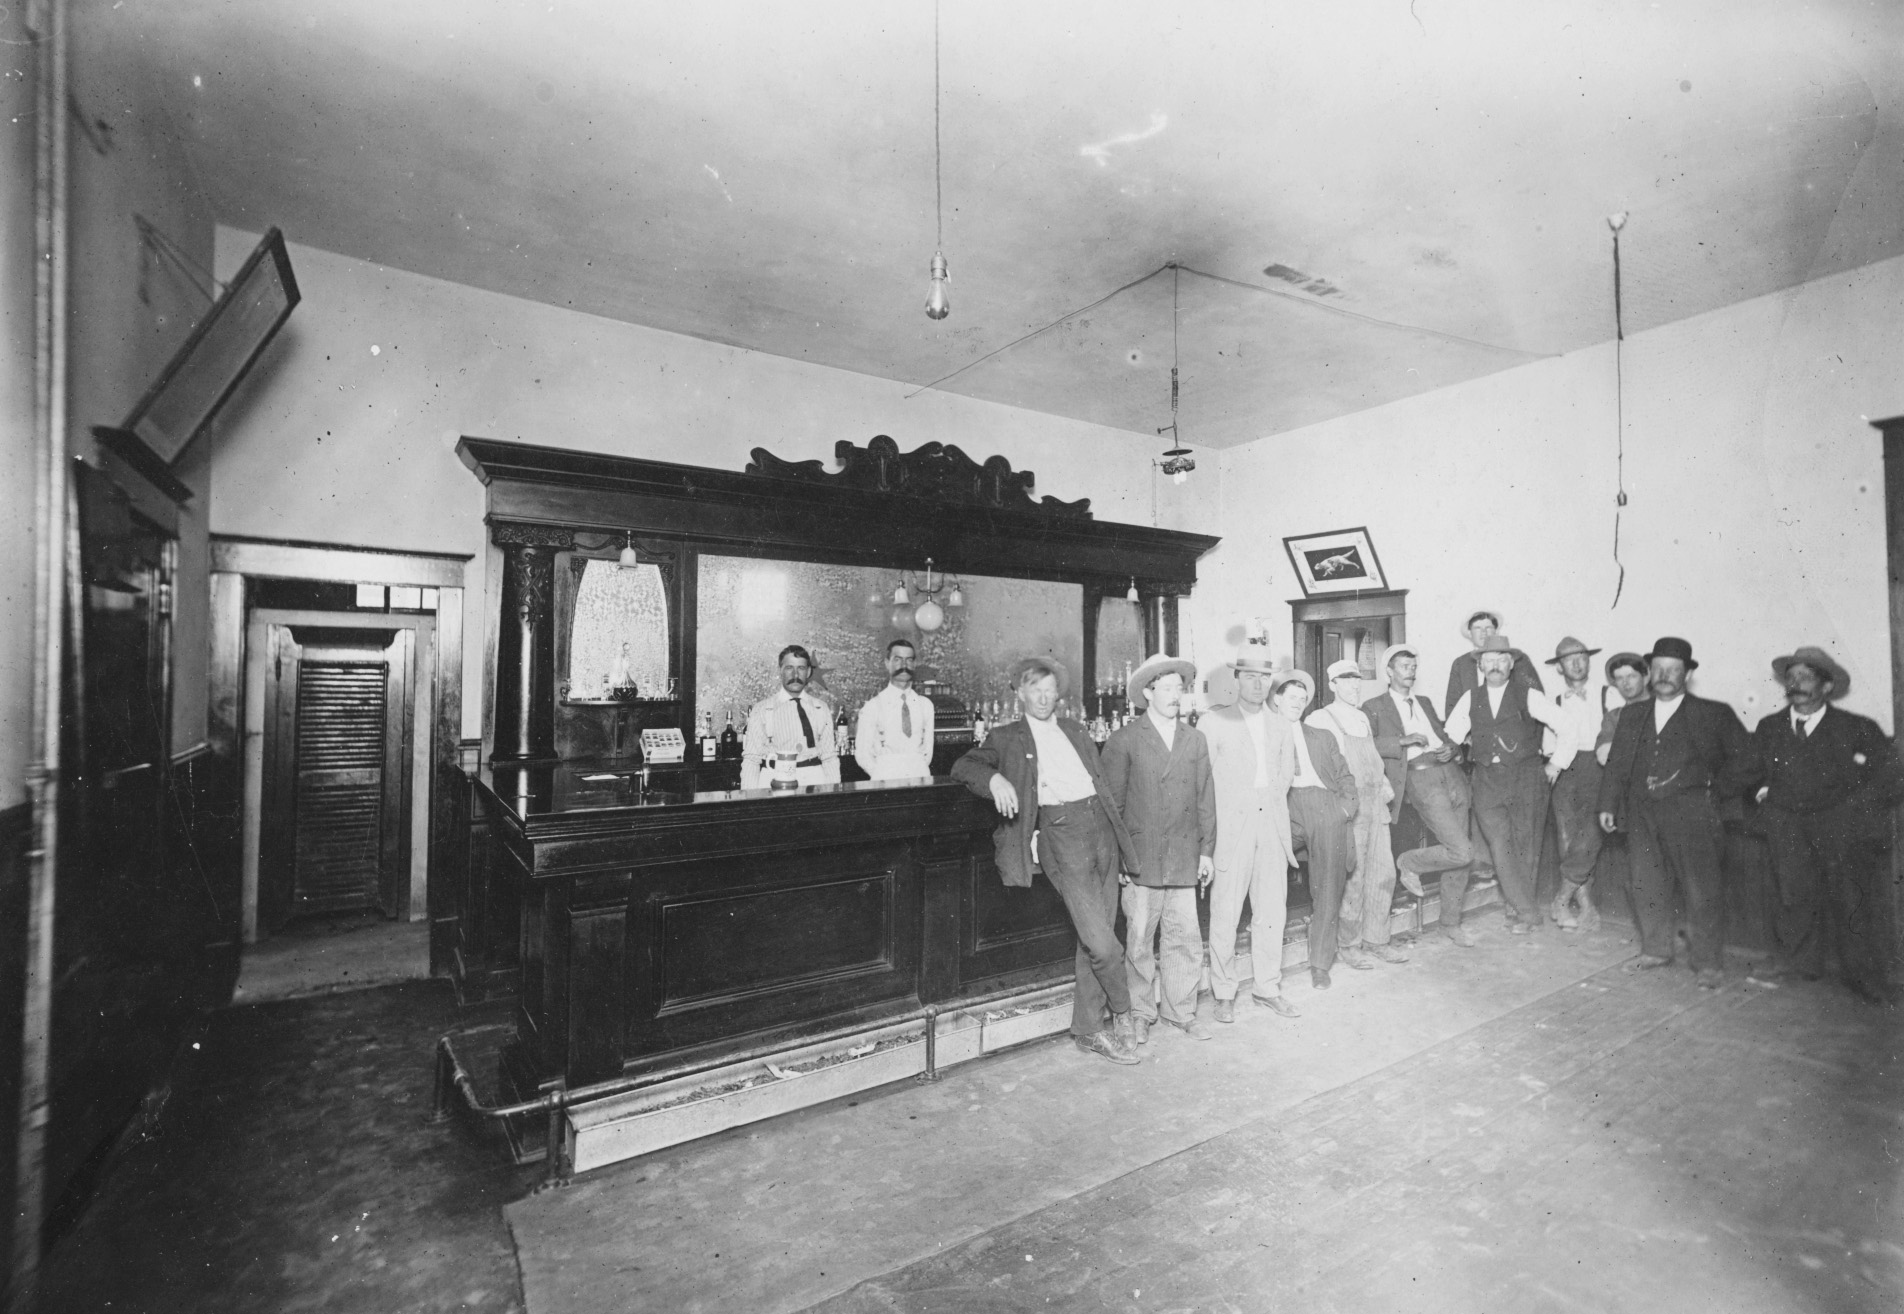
(1158,772)
(1832,779)
(1573,772)
(1252,761)
(1322,808)
(1421,766)
(1464,672)
(1502,722)
(1675,758)
(1042,775)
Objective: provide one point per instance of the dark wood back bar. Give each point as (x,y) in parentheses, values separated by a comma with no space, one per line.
(658,924)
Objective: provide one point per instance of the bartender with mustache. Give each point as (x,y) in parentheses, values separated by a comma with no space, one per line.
(791,721)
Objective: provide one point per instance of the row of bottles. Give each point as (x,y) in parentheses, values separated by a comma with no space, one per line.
(723,747)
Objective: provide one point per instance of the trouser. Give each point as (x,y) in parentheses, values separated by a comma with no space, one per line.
(1370,892)
(1511,800)
(1677,841)
(1319,832)
(1439,795)
(1830,898)
(1577,819)
(1078,850)
(1253,865)
(1163,981)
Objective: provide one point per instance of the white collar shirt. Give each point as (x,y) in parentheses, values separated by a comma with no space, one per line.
(1576,725)
(1415,722)
(1167,727)
(1307,777)
(1062,775)
(1259,736)
(1803,726)
(1663,709)
(880,741)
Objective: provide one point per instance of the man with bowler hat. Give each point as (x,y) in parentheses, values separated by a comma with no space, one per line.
(1675,758)
(1831,781)
(1252,761)
(1158,773)
(1042,775)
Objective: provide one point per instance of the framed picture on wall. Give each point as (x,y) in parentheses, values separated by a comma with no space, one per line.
(1339,561)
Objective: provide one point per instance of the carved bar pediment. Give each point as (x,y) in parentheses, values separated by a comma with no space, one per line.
(937,472)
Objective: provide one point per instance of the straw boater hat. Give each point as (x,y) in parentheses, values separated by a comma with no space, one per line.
(1057,668)
(1254,657)
(1567,647)
(1478,612)
(1293,676)
(1619,659)
(1137,687)
(1672,647)
(1820,661)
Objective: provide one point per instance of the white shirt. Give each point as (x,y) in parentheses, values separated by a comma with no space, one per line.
(1307,777)
(1415,722)
(773,726)
(1461,720)
(880,743)
(1253,722)
(1167,727)
(1663,710)
(1803,726)
(1062,777)
(1577,728)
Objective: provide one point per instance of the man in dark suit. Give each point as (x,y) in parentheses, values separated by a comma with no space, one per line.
(1675,757)
(1158,773)
(1322,807)
(1420,760)
(1831,781)
(1042,775)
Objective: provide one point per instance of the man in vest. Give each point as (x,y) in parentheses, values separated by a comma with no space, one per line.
(1675,757)
(1502,720)
(1831,781)
(1574,773)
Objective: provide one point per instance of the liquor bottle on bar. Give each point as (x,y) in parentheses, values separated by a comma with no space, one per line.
(842,735)
(709,745)
(730,742)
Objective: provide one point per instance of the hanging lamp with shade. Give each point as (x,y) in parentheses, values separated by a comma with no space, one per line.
(1178,461)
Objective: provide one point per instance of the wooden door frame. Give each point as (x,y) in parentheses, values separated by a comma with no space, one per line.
(235,563)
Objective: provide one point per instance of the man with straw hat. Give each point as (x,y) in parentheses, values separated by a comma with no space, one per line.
(1322,808)
(1675,758)
(1252,761)
(1831,780)
(1574,772)
(1042,775)
(1158,772)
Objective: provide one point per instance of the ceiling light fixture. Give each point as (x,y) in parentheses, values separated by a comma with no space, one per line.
(1177,462)
(1130,595)
(628,560)
(938,305)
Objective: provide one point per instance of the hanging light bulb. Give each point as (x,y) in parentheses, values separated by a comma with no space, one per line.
(628,560)
(1130,594)
(928,616)
(938,305)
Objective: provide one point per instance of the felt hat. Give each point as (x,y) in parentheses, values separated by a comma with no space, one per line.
(1619,659)
(1673,647)
(1346,666)
(1025,664)
(1293,676)
(1254,657)
(1567,647)
(1136,687)
(1395,650)
(1820,661)
(1497,643)
(1489,612)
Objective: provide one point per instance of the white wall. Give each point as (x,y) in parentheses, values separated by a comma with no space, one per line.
(1756,520)
(346,431)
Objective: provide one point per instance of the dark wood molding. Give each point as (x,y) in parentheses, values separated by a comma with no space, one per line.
(131,449)
(936,472)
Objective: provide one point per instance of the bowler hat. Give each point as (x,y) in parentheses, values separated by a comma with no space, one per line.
(1619,659)
(1293,676)
(1254,657)
(1567,647)
(1135,688)
(1051,664)
(1820,661)
(1676,648)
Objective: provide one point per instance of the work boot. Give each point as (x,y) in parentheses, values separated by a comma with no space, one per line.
(1105,1044)
(1460,934)
(1353,956)
(1195,1028)
(1562,911)
(1278,1005)
(1124,1029)
(1412,883)
(1140,1030)
(1589,915)
(1388,953)
(1319,977)
(1225,1010)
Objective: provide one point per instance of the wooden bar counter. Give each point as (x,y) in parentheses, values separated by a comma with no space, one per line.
(659,925)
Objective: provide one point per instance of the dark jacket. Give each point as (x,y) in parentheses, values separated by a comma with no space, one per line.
(1333,768)
(1385,722)
(1167,798)
(1846,769)
(1704,749)
(1464,673)
(1011,752)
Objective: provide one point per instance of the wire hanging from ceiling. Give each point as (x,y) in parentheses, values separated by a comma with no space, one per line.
(1616,222)
(938,304)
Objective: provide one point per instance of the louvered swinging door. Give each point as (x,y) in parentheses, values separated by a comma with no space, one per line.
(338,823)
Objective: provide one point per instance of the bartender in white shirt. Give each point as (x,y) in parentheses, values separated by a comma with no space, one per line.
(1502,721)
(894,736)
(793,721)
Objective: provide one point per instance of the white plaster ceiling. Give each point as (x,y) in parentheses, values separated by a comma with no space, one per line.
(1434,174)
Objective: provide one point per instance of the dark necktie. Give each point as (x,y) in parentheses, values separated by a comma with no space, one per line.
(806,726)
(1804,728)
(905,716)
